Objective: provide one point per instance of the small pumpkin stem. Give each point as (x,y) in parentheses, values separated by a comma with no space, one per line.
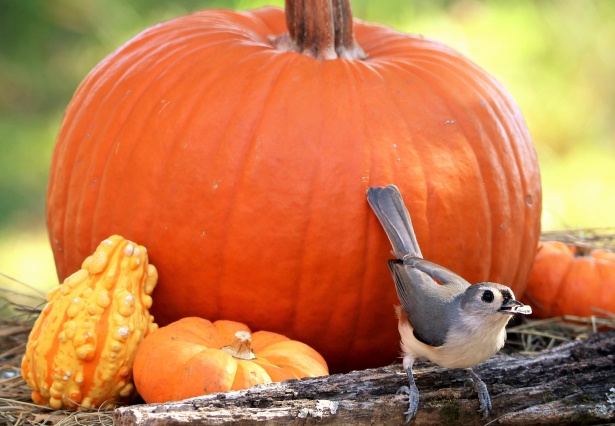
(582,249)
(322,29)
(240,347)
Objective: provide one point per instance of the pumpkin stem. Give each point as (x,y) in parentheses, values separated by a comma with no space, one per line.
(321,29)
(240,347)
(582,249)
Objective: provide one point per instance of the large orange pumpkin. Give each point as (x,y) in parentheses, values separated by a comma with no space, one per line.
(567,280)
(243,168)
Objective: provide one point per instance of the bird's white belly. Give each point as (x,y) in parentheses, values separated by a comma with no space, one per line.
(460,350)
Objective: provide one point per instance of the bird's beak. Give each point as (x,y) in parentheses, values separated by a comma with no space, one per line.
(512,307)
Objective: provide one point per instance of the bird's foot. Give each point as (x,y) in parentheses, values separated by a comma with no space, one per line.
(413,400)
(483,394)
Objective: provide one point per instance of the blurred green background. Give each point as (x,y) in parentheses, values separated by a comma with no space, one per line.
(555,57)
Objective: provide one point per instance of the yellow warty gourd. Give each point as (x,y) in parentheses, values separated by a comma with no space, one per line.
(81,349)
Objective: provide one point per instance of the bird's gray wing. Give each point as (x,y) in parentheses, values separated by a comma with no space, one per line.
(427,304)
(440,273)
(389,207)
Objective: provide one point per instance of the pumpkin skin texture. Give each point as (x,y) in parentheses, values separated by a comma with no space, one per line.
(185,359)
(250,166)
(565,281)
(82,346)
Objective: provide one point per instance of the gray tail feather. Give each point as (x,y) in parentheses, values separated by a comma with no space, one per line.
(389,207)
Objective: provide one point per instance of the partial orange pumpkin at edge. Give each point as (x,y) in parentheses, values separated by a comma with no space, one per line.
(564,281)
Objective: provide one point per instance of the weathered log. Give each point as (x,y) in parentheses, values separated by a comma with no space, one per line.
(571,384)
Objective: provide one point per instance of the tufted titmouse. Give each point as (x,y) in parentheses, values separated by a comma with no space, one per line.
(453,324)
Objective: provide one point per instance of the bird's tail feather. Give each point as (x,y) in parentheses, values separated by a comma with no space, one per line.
(389,207)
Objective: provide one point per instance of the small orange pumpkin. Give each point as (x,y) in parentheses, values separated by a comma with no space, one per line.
(194,356)
(567,280)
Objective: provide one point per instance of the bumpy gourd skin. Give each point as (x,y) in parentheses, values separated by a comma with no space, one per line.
(81,349)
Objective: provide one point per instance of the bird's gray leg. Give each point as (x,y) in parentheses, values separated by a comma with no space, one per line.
(412,391)
(483,394)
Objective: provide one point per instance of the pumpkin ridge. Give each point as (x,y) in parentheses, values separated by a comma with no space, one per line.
(276,82)
(465,122)
(525,206)
(560,285)
(221,22)
(301,281)
(62,151)
(375,42)
(226,331)
(524,177)
(371,69)
(114,140)
(300,278)
(606,269)
(90,199)
(280,82)
(548,278)
(516,207)
(500,134)
(503,111)
(66,178)
(358,70)
(138,92)
(262,339)
(261,26)
(580,267)
(188,330)
(163,165)
(354,70)
(204,87)
(297,364)
(297,347)
(275,372)
(251,371)
(423,70)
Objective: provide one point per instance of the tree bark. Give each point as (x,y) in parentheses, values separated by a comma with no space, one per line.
(571,384)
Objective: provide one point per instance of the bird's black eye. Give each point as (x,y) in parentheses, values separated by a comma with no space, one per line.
(487,296)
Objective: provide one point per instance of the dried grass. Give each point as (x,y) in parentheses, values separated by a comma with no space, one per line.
(17,316)
(588,238)
(532,336)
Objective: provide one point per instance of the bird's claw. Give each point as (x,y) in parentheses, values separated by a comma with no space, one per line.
(413,400)
(483,396)
(403,389)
